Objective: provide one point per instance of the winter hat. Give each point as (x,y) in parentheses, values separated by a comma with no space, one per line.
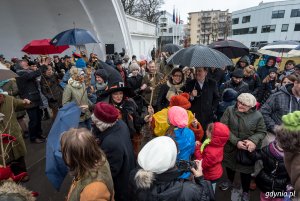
(291,121)
(247,99)
(178,116)
(220,134)
(158,155)
(143,62)
(106,112)
(12,191)
(102,73)
(134,66)
(80,63)
(3,92)
(245,59)
(229,95)
(181,100)
(238,73)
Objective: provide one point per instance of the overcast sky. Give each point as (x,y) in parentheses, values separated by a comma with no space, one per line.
(186,6)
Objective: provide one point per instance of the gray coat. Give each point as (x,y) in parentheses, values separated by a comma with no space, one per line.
(279,104)
(243,126)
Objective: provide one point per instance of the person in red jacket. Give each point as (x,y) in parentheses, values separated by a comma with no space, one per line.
(212,150)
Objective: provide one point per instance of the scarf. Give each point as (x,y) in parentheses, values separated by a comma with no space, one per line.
(101,87)
(74,83)
(173,90)
(3,82)
(205,143)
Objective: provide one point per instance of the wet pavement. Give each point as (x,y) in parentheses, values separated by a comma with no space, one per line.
(38,182)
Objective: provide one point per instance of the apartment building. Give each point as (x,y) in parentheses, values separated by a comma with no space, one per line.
(205,27)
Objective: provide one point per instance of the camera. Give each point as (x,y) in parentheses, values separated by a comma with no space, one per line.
(186,166)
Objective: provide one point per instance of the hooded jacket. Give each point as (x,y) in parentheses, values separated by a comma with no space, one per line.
(147,186)
(279,104)
(264,70)
(213,153)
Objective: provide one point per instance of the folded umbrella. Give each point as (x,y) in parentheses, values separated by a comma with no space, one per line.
(6,73)
(67,117)
(201,56)
(73,37)
(171,48)
(44,47)
(231,48)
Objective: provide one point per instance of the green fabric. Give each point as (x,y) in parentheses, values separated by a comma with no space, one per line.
(103,175)
(8,108)
(291,121)
(205,143)
(243,126)
(3,82)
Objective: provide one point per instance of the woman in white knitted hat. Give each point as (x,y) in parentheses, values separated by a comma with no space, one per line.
(247,130)
(157,176)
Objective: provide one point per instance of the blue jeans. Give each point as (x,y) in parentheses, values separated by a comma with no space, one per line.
(86,124)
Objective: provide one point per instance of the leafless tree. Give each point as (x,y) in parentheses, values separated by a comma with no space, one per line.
(149,9)
(130,6)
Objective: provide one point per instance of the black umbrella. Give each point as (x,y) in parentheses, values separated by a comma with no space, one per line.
(201,56)
(176,59)
(171,48)
(231,48)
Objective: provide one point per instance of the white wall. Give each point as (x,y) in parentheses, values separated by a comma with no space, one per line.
(262,15)
(26,20)
(143,37)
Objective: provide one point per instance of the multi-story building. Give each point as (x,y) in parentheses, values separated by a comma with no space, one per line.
(205,27)
(266,23)
(168,30)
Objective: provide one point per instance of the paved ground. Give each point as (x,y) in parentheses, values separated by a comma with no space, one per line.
(38,181)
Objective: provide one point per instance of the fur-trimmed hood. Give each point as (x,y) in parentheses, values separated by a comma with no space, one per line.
(13,192)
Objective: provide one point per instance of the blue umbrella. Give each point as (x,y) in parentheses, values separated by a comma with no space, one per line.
(73,37)
(67,117)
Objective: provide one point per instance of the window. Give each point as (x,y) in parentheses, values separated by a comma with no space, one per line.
(295,13)
(268,28)
(297,27)
(246,19)
(284,28)
(250,30)
(235,20)
(170,30)
(278,14)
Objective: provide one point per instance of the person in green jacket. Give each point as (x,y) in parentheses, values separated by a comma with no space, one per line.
(247,130)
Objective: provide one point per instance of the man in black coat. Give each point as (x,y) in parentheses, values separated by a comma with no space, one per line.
(114,140)
(204,97)
(28,89)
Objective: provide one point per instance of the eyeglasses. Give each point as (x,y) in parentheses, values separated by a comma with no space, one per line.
(177,75)
(243,104)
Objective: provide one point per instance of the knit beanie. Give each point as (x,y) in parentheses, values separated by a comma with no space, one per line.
(178,116)
(102,73)
(181,100)
(247,99)
(158,155)
(134,66)
(238,73)
(229,95)
(80,63)
(106,112)
(291,121)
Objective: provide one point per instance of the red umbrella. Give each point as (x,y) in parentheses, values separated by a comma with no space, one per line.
(43,47)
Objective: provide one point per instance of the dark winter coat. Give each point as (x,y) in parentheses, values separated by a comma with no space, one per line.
(279,104)
(28,86)
(216,75)
(263,71)
(167,187)
(116,144)
(254,84)
(206,102)
(134,82)
(242,87)
(165,92)
(243,126)
(51,89)
(229,97)
(273,176)
(265,91)
(129,114)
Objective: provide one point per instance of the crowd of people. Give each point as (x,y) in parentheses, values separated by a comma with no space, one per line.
(158,131)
